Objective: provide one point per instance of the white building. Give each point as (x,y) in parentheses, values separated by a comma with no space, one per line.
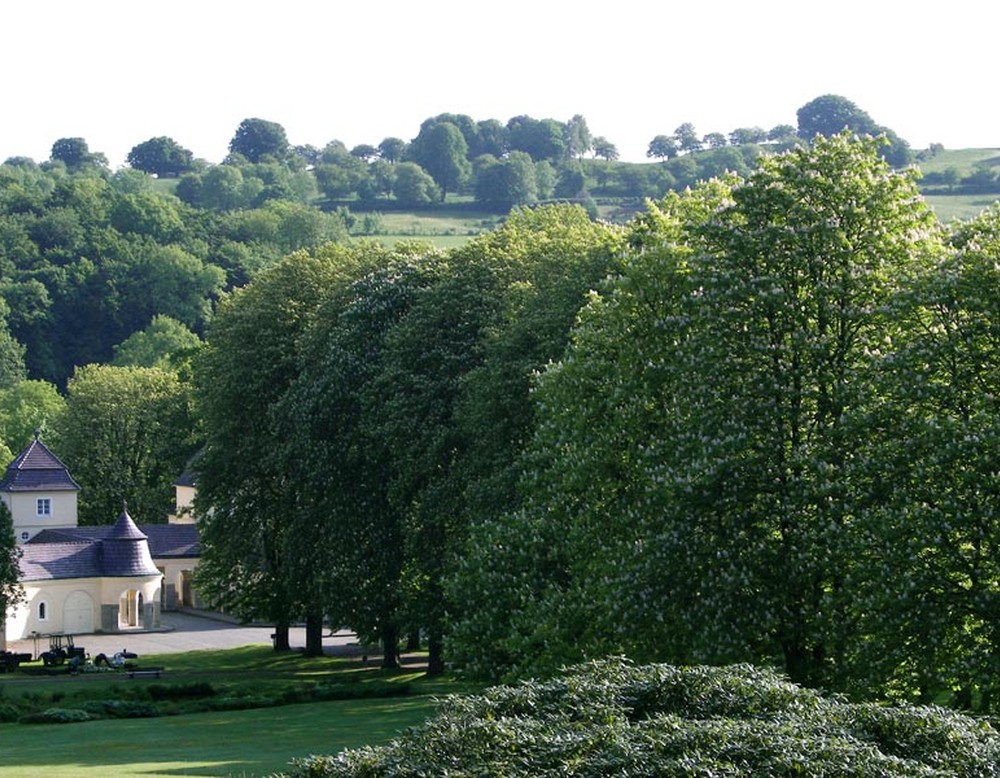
(88,579)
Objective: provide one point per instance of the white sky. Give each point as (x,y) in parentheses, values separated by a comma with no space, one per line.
(118,72)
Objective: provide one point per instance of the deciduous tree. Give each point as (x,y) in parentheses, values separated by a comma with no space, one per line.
(244,497)
(259,138)
(125,435)
(161,156)
(442,151)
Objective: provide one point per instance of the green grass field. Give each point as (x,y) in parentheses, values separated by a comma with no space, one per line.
(241,743)
(444,228)
(252,742)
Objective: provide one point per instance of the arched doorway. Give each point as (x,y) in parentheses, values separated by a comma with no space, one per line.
(130,609)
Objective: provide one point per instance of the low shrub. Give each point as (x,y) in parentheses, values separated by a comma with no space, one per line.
(180,691)
(9,713)
(615,718)
(56,716)
(246,702)
(119,709)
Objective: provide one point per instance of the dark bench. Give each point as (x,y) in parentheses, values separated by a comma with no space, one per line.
(144,672)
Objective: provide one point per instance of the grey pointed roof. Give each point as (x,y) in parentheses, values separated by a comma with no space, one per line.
(125,552)
(118,551)
(35,469)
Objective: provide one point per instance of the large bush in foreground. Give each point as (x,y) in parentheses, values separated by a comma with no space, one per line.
(613,718)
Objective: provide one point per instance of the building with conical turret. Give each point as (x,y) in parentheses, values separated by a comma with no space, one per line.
(87,579)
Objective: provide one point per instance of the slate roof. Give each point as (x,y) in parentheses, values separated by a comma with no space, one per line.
(123,550)
(173,540)
(36,468)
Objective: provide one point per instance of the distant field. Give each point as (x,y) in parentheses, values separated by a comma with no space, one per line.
(951,207)
(963,160)
(444,228)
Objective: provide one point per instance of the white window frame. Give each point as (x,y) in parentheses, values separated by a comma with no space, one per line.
(43,610)
(43,506)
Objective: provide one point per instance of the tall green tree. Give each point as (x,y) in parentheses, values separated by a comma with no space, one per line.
(443,152)
(453,397)
(929,514)
(712,505)
(346,527)
(244,494)
(125,435)
(27,409)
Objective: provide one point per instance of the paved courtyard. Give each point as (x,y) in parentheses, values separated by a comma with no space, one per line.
(188,631)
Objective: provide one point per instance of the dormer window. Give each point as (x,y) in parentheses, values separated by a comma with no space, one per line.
(43,506)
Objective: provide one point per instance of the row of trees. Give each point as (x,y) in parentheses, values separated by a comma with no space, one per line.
(501,165)
(769,437)
(359,403)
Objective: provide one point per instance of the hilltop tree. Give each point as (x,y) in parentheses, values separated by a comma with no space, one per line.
(578,138)
(492,138)
(662,147)
(687,138)
(441,150)
(257,138)
(830,114)
(605,149)
(161,156)
(76,154)
(540,138)
(506,183)
(742,136)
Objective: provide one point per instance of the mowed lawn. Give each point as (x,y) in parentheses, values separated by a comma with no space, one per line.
(255,742)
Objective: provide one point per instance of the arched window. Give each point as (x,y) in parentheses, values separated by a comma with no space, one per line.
(43,611)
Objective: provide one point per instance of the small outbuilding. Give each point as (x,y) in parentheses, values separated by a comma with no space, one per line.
(88,579)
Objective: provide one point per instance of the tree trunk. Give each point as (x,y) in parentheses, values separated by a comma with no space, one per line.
(390,647)
(314,633)
(280,638)
(435,648)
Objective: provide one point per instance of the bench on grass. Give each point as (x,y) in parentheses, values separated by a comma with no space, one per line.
(144,672)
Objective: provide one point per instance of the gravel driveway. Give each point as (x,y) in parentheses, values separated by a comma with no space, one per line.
(188,631)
